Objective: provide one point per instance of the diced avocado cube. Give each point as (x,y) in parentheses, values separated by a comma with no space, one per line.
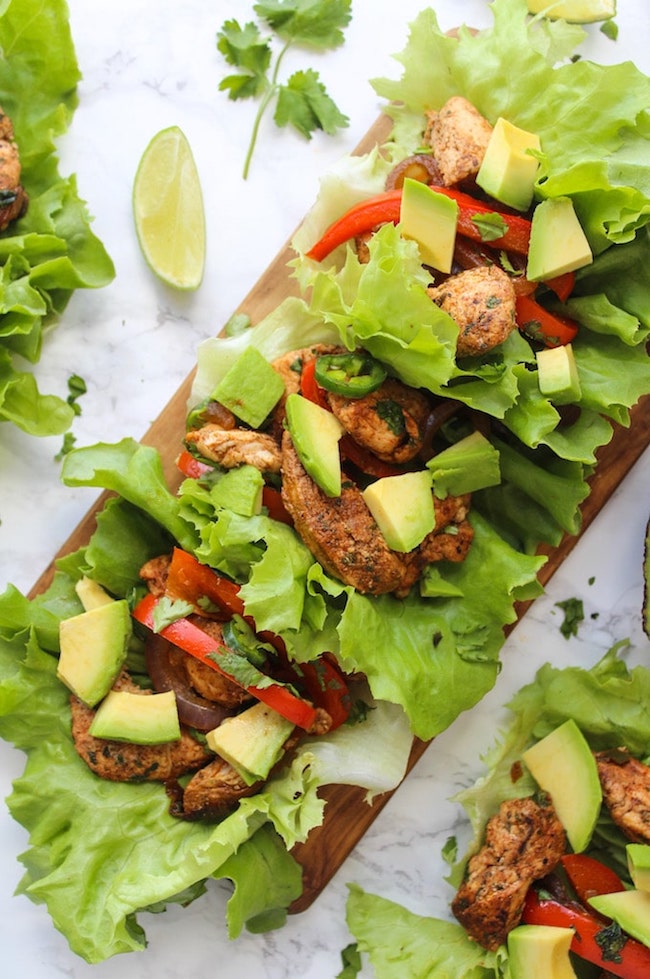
(638,861)
(251,388)
(252,741)
(629,909)
(137,718)
(93,649)
(91,594)
(563,765)
(557,374)
(574,11)
(557,242)
(239,490)
(403,508)
(470,464)
(315,433)
(430,219)
(508,170)
(540,952)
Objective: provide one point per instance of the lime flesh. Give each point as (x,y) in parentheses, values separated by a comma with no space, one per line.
(168,210)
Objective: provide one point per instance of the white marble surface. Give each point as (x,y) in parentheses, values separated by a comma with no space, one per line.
(148,65)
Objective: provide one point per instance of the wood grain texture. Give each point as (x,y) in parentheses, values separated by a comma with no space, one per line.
(347,815)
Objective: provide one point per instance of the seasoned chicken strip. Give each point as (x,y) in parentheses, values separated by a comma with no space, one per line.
(626,792)
(13,198)
(237,447)
(482,303)
(119,761)
(390,422)
(458,135)
(524,841)
(344,537)
(214,791)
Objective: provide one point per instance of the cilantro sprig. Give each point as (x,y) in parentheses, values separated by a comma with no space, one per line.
(302,100)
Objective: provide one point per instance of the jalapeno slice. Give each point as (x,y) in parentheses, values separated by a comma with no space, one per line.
(352,374)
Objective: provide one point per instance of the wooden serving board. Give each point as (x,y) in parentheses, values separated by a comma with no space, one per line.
(347,815)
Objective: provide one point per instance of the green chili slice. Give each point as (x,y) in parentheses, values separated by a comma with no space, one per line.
(352,374)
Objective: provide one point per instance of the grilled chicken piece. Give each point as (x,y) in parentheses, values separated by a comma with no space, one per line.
(458,135)
(482,302)
(390,422)
(120,761)
(214,791)
(236,447)
(344,537)
(626,792)
(13,198)
(154,572)
(524,842)
(210,683)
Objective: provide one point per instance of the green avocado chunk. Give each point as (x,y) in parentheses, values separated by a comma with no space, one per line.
(315,433)
(557,374)
(252,741)
(430,219)
(629,909)
(137,718)
(508,170)
(638,861)
(251,388)
(540,952)
(93,649)
(403,508)
(563,765)
(557,242)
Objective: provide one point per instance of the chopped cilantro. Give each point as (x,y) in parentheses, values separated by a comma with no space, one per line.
(302,101)
(351,960)
(169,610)
(573,615)
(491,225)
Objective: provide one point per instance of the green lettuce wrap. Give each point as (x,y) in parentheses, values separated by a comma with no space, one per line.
(51,251)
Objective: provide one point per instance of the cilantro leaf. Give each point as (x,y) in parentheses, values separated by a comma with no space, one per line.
(244,48)
(491,226)
(316,23)
(304,103)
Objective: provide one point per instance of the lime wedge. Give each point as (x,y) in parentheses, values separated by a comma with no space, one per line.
(168,210)
(574,11)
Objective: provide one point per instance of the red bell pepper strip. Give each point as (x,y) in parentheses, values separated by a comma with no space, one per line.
(193,640)
(272,500)
(613,951)
(540,324)
(191,581)
(589,877)
(562,285)
(515,238)
(192,467)
(326,686)
(360,219)
(386,207)
(309,387)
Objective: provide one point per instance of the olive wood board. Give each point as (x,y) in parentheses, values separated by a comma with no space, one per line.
(347,815)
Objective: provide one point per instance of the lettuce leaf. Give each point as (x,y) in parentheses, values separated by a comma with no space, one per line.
(101,852)
(608,704)
(50,251)
(591,119)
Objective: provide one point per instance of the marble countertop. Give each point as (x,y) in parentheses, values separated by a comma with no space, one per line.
(146,66)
